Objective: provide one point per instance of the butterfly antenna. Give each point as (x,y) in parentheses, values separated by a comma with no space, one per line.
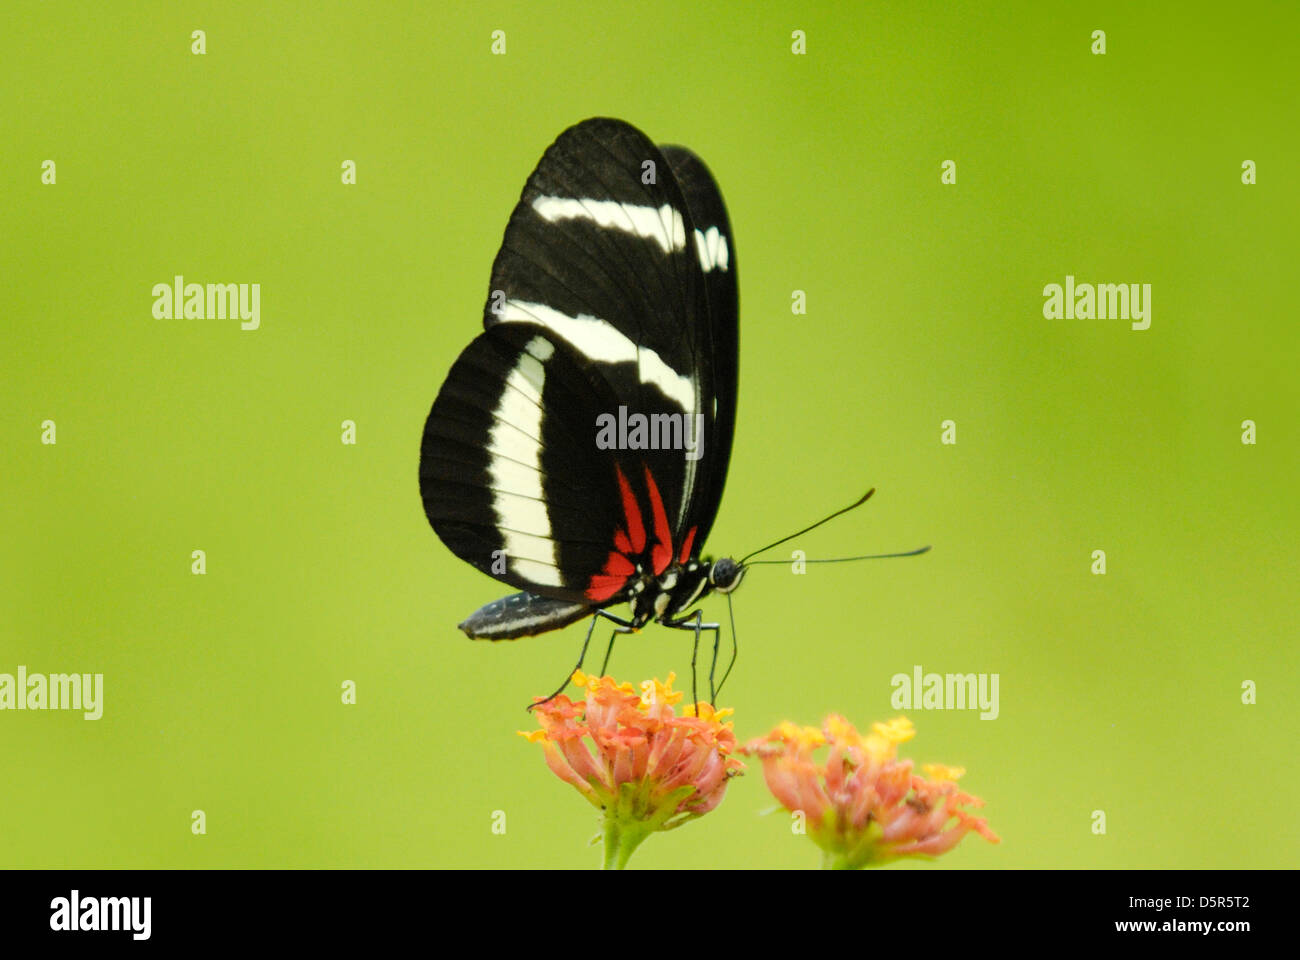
(871,556)
(734,649)
(852,506)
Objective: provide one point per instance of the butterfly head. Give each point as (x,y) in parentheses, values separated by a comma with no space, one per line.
(725,575)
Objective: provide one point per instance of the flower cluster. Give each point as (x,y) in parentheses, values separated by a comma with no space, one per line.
(633,757)
(863,805)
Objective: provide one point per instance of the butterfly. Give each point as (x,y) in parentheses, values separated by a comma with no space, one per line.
(578,448)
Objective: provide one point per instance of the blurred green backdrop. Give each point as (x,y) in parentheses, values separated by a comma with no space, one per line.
(1119,693)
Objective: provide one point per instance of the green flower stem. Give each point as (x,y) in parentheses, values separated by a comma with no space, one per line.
(631,818)
(842,862)
(621,839)
(865,851)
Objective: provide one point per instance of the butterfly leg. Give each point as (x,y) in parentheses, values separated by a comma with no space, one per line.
(695,649)
(620,626)
(695,623)
(713,666)
(609,650)
(576,667)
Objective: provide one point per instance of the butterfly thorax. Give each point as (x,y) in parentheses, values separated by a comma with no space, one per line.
(669,596)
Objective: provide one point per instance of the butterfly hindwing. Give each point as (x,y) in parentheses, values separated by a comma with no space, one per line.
(506,471)
(719,339)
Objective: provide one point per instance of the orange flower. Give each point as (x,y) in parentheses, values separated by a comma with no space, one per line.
(864,806)
(634,758)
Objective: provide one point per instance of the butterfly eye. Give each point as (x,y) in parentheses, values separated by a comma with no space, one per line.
(726,575)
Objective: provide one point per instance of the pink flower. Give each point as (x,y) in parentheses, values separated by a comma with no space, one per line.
(863,806)
(631,756)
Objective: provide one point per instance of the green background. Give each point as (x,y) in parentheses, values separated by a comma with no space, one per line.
(1119,693)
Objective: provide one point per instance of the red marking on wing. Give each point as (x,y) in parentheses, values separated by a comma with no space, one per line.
(621,543)
(686,546)
(602,587)
(611,579)
(617,564)
(662,553)
(631,510)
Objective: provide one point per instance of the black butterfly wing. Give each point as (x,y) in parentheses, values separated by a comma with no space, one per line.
(601,273)
(506,471)
(720,337)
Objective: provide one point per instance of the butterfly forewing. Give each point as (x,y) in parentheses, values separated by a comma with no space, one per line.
(608,298)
